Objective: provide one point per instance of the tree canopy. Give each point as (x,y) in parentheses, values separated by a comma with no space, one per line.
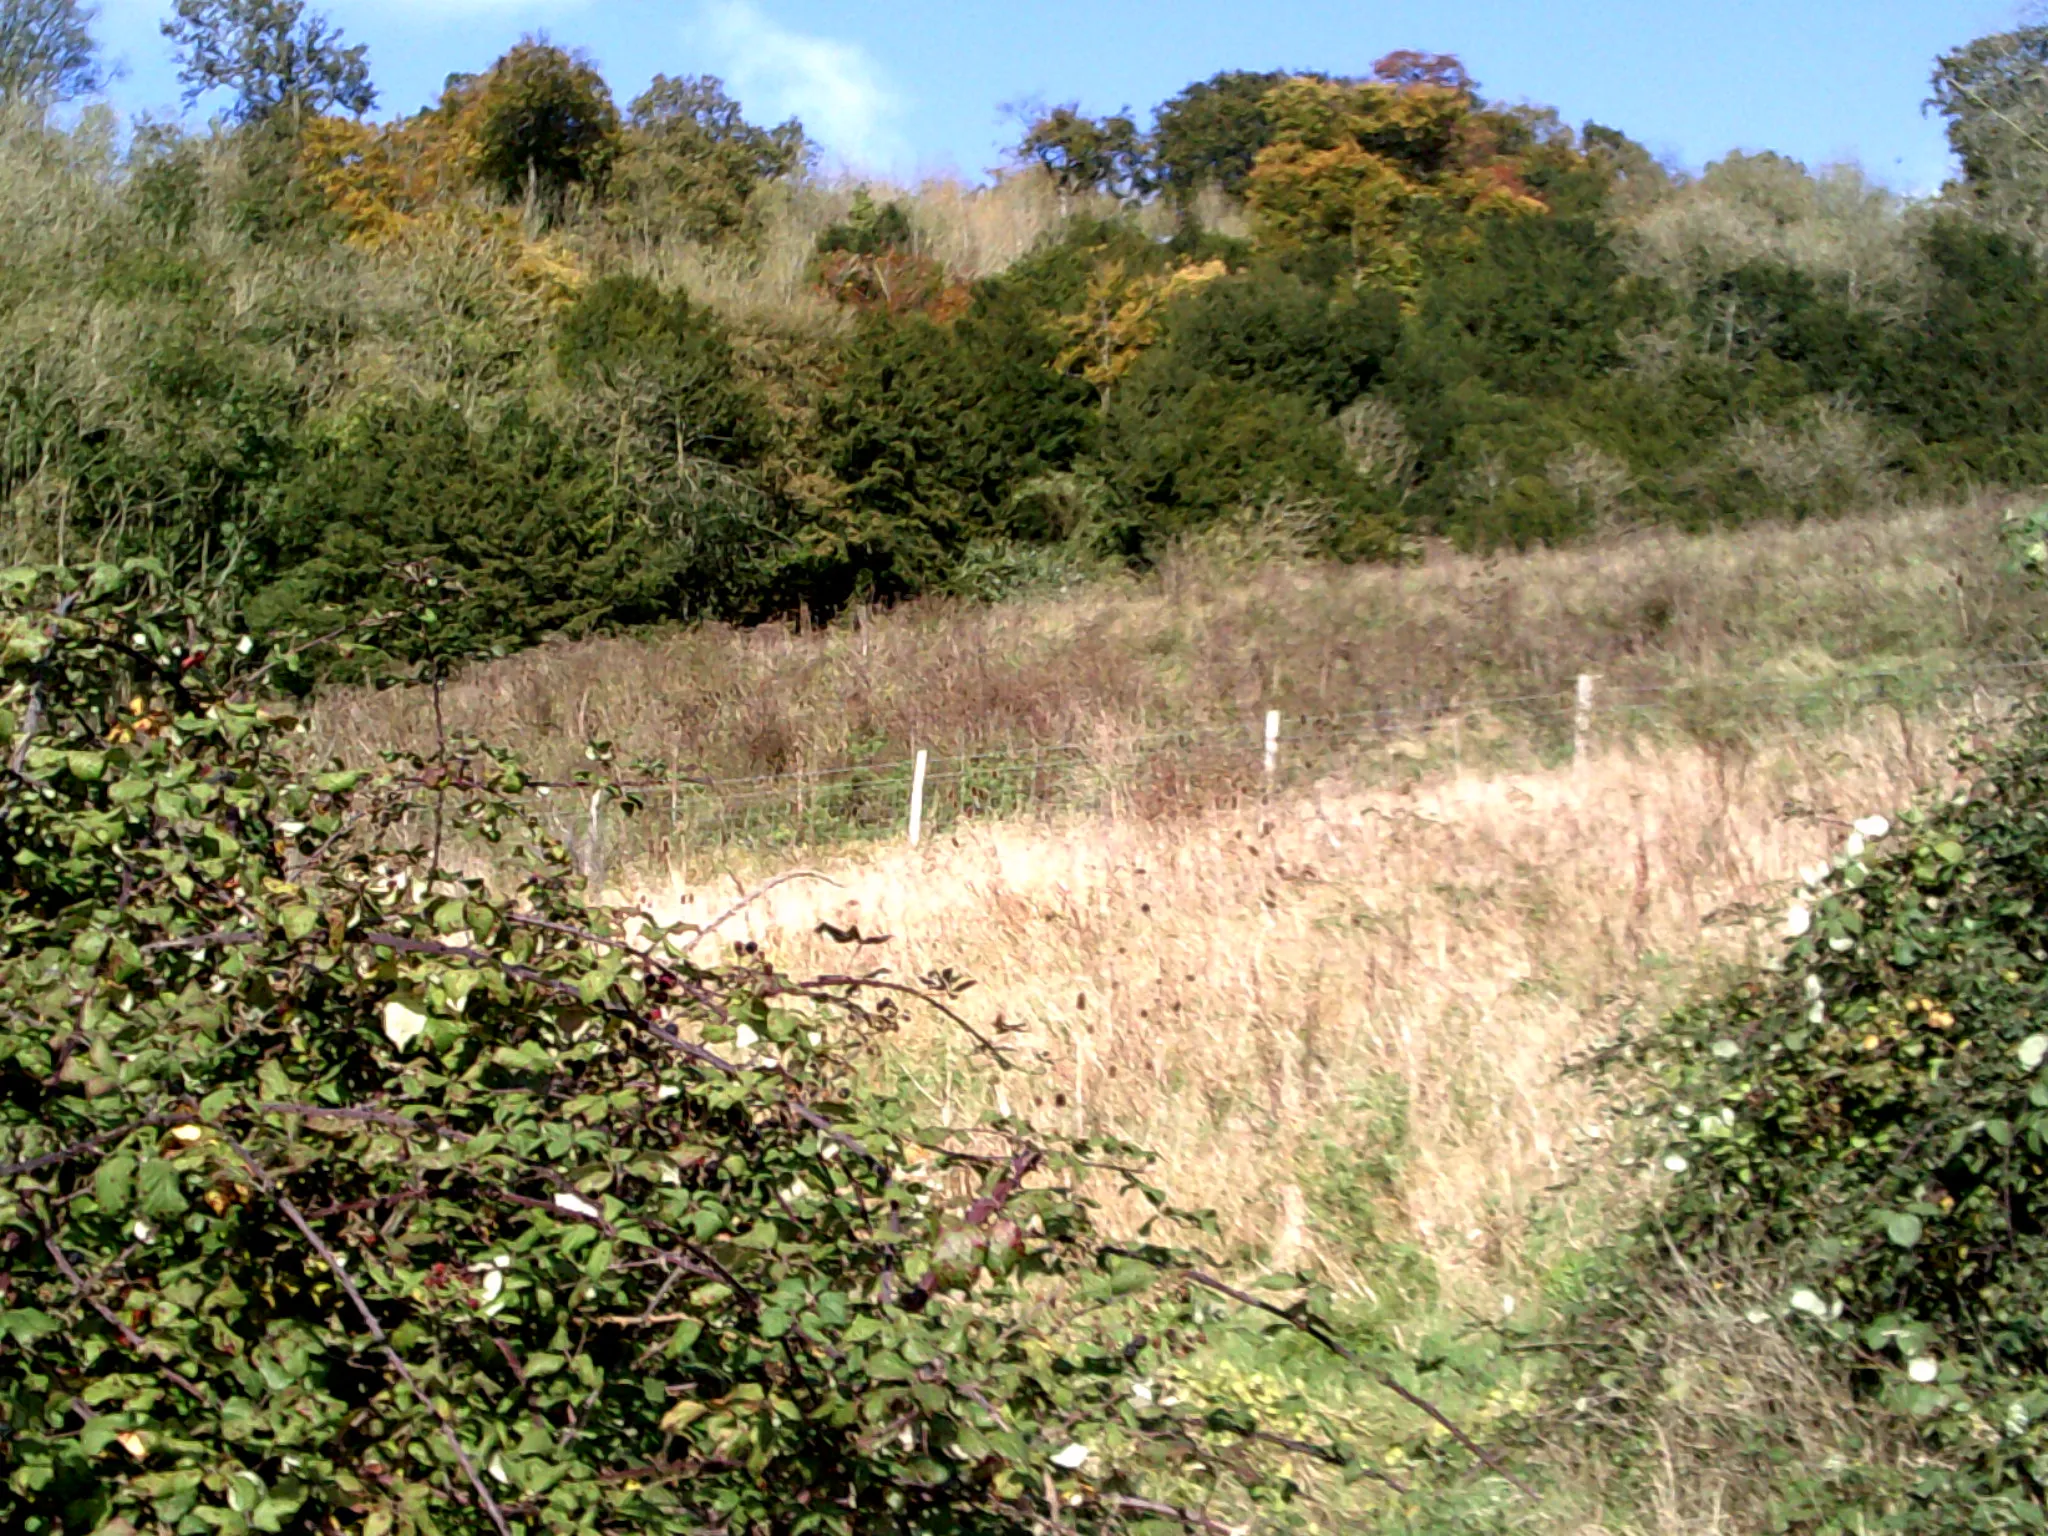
(272,55)
(47,51)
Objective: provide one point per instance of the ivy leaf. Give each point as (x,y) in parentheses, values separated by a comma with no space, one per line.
(1902,1229)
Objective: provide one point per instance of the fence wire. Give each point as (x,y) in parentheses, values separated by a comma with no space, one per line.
(1158,770)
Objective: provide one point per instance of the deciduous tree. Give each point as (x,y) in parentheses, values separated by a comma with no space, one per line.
(545,123)
(1089,154)
(273,55)
(47,52)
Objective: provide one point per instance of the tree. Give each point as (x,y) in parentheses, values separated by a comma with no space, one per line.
(274,56)
(47,52)
(1408,68)
(1212,132)
(1088,154)
(545,123)
(1994,93)
(692,159)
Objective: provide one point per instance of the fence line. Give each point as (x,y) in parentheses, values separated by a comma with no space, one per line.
(871,798)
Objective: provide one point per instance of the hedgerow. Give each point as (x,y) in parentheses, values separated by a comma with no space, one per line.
(1851,1145)
(341,1190)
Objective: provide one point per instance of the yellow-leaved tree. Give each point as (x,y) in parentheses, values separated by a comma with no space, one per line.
(1386,167)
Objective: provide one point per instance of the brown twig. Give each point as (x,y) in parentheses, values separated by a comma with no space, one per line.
(748,900)
(141,1346)
(90,1144)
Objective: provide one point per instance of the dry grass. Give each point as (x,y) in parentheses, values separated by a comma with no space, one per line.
(1342,1016)
(974,231)
(1739,624)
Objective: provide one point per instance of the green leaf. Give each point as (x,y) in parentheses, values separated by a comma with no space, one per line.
(299,921)
(162,1195)
(25,1325)
(113,1183)
(1902,1229)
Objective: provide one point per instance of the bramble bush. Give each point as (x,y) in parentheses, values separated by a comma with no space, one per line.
(339,1190)
(1865,1124)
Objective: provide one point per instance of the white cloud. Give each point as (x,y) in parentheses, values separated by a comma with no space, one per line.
(836,87)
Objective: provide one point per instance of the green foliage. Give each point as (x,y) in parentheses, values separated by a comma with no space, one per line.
(1087,154)
(47,52)
(934,428)
(545,124)
(528,528)
(1973,375)
(1991,92)
(1284,334)
(1869,1120)
(664,361)
(1184,459)
(1211,133)
(1538,305)
(692,161)
(272,54)
(338,1189)
(869,228)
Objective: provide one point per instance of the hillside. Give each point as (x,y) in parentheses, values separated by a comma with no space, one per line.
(608,365)
(1146,694)
(1324,813)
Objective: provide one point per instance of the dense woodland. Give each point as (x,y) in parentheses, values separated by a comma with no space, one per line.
(619,365)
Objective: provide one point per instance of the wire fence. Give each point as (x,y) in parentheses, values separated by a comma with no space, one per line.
(1159,772)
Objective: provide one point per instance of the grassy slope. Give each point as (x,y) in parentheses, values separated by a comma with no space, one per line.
(1340,1015)
(1740,625)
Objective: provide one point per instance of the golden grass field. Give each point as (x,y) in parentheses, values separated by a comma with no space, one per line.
(1379,987)
(1341,1012)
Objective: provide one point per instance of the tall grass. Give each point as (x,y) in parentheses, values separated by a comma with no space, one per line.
(1150,688)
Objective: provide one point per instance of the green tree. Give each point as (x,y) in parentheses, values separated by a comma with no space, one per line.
(1994,93)
(272,54)
(1088,154)
(47,51)
(691,159)
(1274,330)
(1212,132)
(545,123)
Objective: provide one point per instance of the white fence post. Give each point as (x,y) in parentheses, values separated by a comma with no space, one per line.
(1272,745)
(917,799)
(1582,720)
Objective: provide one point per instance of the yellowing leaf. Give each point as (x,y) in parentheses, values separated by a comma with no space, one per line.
(405,1019)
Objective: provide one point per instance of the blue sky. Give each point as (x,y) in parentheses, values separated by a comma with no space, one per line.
(919,85)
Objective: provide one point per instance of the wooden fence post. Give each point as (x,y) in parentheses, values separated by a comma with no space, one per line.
(1582,721)
(917,799)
